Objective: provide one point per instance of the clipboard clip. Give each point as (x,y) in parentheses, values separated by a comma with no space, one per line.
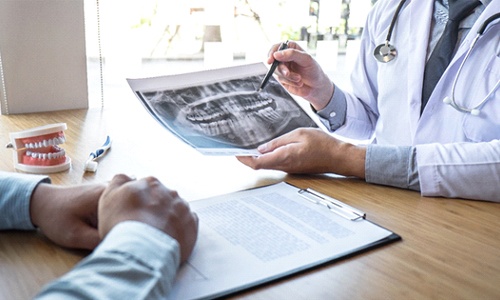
(332,204)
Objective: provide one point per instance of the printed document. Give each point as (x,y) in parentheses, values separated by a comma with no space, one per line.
(255,236)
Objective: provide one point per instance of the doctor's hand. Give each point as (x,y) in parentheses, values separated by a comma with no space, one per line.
(67,215)
(147,200)
(311,151)
(301,74)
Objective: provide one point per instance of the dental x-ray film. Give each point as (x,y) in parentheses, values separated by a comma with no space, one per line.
(220,112)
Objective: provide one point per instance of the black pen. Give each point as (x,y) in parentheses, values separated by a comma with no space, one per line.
(283,46)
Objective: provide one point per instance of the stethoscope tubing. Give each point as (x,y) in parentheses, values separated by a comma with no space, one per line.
(451,100)
(386,52)
(393,21)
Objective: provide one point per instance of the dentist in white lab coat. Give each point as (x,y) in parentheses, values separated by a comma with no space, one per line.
(439,151)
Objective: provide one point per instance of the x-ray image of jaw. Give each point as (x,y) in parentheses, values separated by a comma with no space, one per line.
(231,113)
(239,118)
(38,150)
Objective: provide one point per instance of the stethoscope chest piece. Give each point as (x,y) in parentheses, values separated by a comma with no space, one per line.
(385,52)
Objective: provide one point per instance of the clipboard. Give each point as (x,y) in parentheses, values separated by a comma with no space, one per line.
(332,204)
(260,235)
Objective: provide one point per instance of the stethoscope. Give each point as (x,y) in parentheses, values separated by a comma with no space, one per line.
(386,52)
(451,99)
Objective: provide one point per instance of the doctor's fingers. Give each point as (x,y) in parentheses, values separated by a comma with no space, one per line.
(296,66)
(288,82)
(295,58)
(295,45)
(270,161)
(270,54)
(274,48)
(272,153)
(284,140)
(292,158)
(293,152)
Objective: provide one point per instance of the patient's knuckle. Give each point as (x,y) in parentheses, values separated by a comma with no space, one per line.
(70,236)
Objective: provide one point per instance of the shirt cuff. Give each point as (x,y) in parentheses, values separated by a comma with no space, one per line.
(333,114)
(147,244)
(16,191)
(392,165)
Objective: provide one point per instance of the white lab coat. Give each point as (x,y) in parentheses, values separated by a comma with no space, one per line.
(458,155)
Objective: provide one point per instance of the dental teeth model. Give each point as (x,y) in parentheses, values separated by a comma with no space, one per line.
(37,150)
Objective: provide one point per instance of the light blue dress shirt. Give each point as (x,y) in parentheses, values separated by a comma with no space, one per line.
(134,261)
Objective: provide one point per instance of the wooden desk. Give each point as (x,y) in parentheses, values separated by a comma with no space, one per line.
(450,248)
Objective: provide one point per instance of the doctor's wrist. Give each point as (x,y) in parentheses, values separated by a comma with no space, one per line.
(323,96)
(350,160)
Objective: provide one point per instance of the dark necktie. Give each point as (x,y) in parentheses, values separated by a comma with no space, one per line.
(442,54)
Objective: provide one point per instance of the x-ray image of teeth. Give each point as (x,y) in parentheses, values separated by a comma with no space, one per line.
(232,114)
(227,114)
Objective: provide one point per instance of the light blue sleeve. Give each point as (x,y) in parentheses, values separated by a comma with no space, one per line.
(134,261)
(386,165)
(333,114)
(15,195)
(392,165)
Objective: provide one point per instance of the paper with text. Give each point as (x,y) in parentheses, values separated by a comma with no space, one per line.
(254,236)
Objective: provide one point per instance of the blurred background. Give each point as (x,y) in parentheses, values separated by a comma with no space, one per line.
(132,38)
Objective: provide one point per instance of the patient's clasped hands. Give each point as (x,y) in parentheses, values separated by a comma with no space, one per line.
(81,216)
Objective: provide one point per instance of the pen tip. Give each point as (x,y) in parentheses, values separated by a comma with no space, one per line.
(259,90)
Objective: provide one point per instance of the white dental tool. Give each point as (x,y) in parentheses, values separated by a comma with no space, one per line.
(91,163)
